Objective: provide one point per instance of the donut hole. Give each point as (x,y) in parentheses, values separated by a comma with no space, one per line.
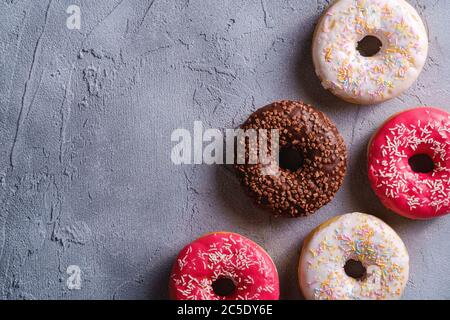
(421,163)
(224,286)
(355,269)
(369,46)
(291,159)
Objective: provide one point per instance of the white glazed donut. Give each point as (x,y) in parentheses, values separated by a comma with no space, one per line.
(359,237)
(369,80)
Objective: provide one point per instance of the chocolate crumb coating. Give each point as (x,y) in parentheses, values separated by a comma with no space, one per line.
(312,134)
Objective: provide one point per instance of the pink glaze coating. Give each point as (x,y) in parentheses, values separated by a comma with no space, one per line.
(228,255)
(414,195)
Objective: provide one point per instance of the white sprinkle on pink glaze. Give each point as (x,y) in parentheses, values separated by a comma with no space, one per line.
(227,255)
(412,194)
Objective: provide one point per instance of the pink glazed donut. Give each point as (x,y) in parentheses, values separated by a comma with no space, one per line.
(409,163)
(224,266)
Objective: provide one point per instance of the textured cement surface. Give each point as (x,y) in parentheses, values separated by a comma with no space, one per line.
(85,123)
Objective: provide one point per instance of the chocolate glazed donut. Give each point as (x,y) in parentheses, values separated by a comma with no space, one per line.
(299,189)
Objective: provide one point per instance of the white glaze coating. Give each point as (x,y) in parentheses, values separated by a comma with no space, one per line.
(360,237)
(368,80)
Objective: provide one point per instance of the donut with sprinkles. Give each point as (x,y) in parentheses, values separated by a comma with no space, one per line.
(312,160)
(359,238)
(224,266)
(369,51)
(409,163)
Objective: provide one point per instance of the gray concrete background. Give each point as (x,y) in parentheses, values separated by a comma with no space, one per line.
(85,123)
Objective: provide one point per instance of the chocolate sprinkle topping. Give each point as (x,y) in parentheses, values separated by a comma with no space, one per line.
(316,138)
